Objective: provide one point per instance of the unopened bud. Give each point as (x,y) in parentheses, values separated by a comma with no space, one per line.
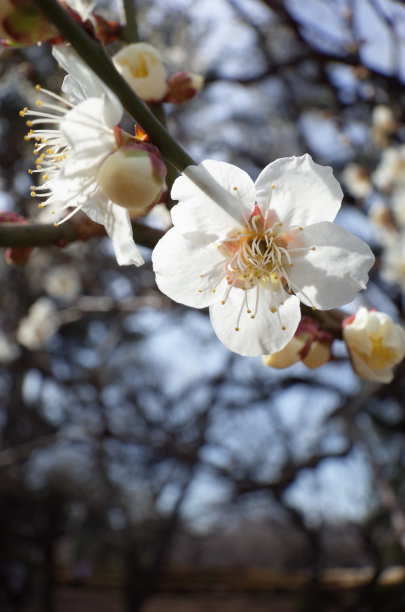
(133,177)
(183,86)
(15,256)
(142,67)
(319,353)
(310,344)
(375,344)
(22,23)
(18,256)
(285,358)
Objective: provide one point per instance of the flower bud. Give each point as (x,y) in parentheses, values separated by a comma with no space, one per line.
(18,256)
(22,23)
(142,67)
(183,86)
(15,256)
(133,176)
(285,358)
(375,344)
(310,344)
(319,353)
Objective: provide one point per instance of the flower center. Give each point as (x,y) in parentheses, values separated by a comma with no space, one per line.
(257,257)
(381,356)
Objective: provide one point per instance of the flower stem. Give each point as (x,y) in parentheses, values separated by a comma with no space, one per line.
(130,33)
(96,58)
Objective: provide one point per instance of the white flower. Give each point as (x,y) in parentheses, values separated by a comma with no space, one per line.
(40,324)
(393,262)
(62,282)
(252,251)
(383,124)
(390,172)
(70,151)
(141,65)
(398,207)
(357,180)
(9,351)
(375,343)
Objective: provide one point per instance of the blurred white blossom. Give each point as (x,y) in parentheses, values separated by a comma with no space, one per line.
(62,282)
(357,180)
(39,325)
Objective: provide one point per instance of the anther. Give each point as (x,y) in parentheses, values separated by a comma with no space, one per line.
(252,316)
(55,224)
(273,186)
(236,328)
(39,103)
(313,248)
(200,291)
(212,290)
(201,275)
(223,302)
(33,194)
(273,309)
(29,123)
(38,87)
(283,327)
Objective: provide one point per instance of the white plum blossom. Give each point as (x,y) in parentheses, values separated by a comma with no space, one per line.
(375,343)
(79,135)
(393,262)
(9,350)
(390,172)
(62,282)
(39,325)
(252,252)
(141,65)
(357,180)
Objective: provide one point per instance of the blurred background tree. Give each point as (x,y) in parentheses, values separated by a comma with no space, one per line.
(131,440)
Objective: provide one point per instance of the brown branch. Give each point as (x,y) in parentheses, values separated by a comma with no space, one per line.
(80,227)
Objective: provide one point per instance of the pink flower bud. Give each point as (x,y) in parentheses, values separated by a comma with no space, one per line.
(15,256)
(183,86)
(133,176)
(18,256)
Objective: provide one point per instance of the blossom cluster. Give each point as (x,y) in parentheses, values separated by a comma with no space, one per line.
(255,253)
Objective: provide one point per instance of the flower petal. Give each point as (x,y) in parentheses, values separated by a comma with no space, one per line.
(208,201)
(85,130)
(259,336)
(118,226)
(304,192)
(333,273)
(81,82)
(189,270)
